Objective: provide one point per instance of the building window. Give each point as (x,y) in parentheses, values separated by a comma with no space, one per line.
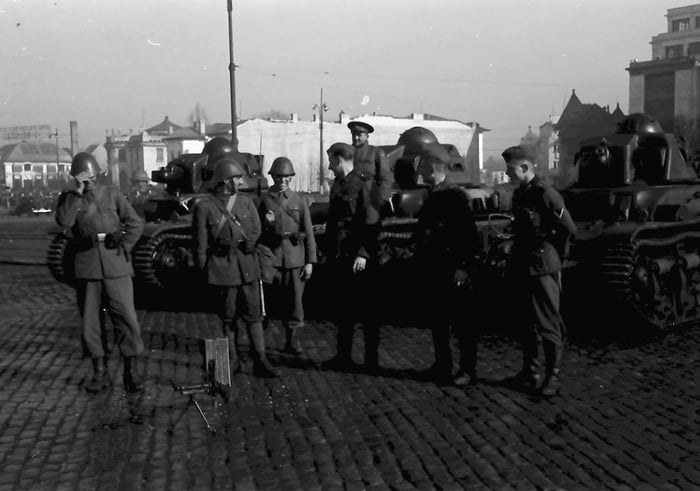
(680,25)
(121,155)
(694,48)
(28,167)
(159,155)
(675,51)
(697,22)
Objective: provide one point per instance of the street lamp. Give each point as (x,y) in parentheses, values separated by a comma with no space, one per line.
(322,108)
(58,165)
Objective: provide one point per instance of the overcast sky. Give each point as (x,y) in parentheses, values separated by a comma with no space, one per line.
(506,64)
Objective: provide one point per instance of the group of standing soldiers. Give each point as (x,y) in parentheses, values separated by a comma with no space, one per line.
(231,231)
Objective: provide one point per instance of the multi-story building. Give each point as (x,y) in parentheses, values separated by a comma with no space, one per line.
(667,87)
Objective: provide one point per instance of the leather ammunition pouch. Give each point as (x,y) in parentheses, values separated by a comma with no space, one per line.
(221,248)
(114,240)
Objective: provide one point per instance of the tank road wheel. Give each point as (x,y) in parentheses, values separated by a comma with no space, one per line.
(661,286)
(58,258)
(164,261)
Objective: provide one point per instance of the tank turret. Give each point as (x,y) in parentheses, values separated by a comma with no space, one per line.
(636,201)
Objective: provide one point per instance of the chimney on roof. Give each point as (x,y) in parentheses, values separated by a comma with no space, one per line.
(294,117)
(73,137)
(417,116)
(200,126)
(343,118)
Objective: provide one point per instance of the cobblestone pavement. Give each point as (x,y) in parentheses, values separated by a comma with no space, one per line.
(628,418)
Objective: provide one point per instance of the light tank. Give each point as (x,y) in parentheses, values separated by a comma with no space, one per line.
(636,202)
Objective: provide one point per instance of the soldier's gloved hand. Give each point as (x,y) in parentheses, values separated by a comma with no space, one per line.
(246,246)
(460,277)
(359,264)
(80,180)
(306,272)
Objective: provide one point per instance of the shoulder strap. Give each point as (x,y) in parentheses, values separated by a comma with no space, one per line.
(226,214)
(272,204)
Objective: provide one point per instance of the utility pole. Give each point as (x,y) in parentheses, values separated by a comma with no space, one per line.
(58,166)
(321,171)
(232,74)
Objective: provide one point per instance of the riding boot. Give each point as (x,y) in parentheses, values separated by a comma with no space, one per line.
(261,365)
(231,332)
(100,379)
(372,333)
(133,381)
(552,380)
(291,344)
(529,377)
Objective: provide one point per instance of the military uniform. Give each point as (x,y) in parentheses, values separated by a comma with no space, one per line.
(447,240)
(105,228)
(352,230)
(287,231)
(542,227)
(226,252)
(372,161)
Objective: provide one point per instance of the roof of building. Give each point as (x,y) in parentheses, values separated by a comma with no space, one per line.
(184,134)
(165,127)
(33,152)
(591,115)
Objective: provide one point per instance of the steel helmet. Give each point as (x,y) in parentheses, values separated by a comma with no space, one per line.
(639,123)
(226,169)
(282,166)
(414,139)
(218,148)
(140,176)
(84,162)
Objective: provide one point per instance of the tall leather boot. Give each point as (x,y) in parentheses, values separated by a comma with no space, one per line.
(234,357)
(466,374)
(552,380)
(441,370)
(529,376)
(372,333)
(133,381)
(261,365)
(291,343)
(343,358)
(100,378)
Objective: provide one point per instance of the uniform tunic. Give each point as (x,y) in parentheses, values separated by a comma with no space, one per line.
(102,268)
(542,227)
(225,246)
(372,161)
(291,238)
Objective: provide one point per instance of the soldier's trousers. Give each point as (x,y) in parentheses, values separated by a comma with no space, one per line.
(118,297)
(545,323)
(242,301)
(287,292)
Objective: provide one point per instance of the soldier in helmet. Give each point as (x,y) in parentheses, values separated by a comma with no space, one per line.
(542,228)
(352,248)
(226,229)
(105,228)
(447,245)
(287,231)
(373,162)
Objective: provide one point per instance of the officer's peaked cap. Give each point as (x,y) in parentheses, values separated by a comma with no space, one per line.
(360,127)
(519,152)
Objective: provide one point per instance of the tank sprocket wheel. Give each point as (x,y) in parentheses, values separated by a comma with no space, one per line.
(155,255)
(57,260)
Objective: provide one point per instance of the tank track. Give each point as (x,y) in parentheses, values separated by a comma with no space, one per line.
(662,290)
(56,259)
(148,254)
